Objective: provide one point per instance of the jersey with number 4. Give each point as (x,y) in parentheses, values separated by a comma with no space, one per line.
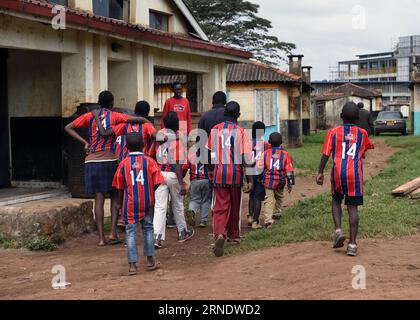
(277,163)
(347,145)
(137,175)
(145,129)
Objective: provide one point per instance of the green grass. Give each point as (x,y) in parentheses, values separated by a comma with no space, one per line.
(306,159)
(382,216)
(40,244)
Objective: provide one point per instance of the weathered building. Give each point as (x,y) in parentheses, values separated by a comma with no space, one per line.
(326,107)
(46,73)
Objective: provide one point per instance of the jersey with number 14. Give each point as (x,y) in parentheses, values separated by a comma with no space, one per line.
(137,175)
(347,145)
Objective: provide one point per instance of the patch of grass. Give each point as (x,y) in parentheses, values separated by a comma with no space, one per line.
(382,216)
(40,244)
(306,159)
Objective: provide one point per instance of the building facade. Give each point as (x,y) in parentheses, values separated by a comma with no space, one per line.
(53,59)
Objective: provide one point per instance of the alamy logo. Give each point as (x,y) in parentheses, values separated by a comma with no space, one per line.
(359,279)
(59,280)
(359,17)
(59,20)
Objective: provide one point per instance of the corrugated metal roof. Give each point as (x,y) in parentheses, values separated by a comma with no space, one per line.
(258,72)
(170,79)
(113,26)
(345,90)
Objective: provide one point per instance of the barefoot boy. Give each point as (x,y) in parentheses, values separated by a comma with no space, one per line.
(137,178)
(347,145)
(278,169)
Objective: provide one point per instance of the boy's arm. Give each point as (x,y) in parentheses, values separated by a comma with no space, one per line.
(323,163)
(70,129)
(101,129)
(120,199)
(132,119)
(180,177)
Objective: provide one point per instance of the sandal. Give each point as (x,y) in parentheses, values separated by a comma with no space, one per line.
(157,265)
(113,242)
(133,272)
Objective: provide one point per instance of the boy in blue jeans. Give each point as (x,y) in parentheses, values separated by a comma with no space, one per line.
(136,179)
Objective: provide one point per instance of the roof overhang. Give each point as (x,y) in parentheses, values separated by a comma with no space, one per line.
(191,19)
(41,11)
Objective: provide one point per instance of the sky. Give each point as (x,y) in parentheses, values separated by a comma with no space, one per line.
(328,31)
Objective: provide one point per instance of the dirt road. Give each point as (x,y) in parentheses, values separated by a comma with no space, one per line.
(298,271)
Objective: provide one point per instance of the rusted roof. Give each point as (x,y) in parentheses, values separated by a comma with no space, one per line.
(41,8)
(346,90)
(170,79)
(258,72)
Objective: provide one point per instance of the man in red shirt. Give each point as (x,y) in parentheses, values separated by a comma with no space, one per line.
(137,178)
(230,149)
(181,106)
(101,161)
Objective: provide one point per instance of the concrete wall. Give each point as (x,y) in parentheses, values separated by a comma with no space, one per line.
(34,84)
(415,107)
(333,109)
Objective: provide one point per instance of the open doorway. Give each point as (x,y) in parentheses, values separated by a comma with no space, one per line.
(4,123)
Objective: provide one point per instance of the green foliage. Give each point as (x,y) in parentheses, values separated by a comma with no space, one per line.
(382,215)
(40,244)
(236,23)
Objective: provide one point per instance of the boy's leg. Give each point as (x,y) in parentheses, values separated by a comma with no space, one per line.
(161,205)
(195,200)
(337,212)
(354,223)
(114,216)
(269,207)
(258,200)
(148,241)
(132,247)
(177,203)
(99,217)
(221,202)
(278,195)
(205,202)
(251,208)
(234,215)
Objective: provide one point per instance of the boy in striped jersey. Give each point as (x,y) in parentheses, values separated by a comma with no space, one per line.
(101,161)
(137,178)
(347,144)
(278,169)
(200,190)
(230,150)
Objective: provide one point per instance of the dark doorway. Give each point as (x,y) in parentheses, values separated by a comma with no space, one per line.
(36,148)
(4,123)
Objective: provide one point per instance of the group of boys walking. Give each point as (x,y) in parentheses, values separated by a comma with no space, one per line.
(143,169)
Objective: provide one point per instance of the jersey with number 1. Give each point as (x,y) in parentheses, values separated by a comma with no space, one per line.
(347,145)
(277,163)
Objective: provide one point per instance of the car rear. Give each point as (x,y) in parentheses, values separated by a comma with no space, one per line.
(389,121)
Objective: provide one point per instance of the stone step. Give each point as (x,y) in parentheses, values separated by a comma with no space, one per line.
(34,197)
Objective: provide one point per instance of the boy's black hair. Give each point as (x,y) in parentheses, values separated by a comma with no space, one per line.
(276,139)
(106,99)
(219,98)
(171,121)
(257,126)
(350,113)
(177,83)
(360,105)
(142,109)
(233,110)
(135,141)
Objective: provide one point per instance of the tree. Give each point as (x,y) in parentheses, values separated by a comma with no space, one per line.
(235,22)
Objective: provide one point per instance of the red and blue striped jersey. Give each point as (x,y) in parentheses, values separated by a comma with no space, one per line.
(228,142)
(258,149)
(347,145)
(277,163)
(198,171)
(169,153)
(108,119)
(121,130)
(137,175)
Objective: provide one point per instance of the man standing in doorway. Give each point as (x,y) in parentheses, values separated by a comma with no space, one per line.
(181,106)
(365,119)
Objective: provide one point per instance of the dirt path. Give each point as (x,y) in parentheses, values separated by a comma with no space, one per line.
(298,271)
